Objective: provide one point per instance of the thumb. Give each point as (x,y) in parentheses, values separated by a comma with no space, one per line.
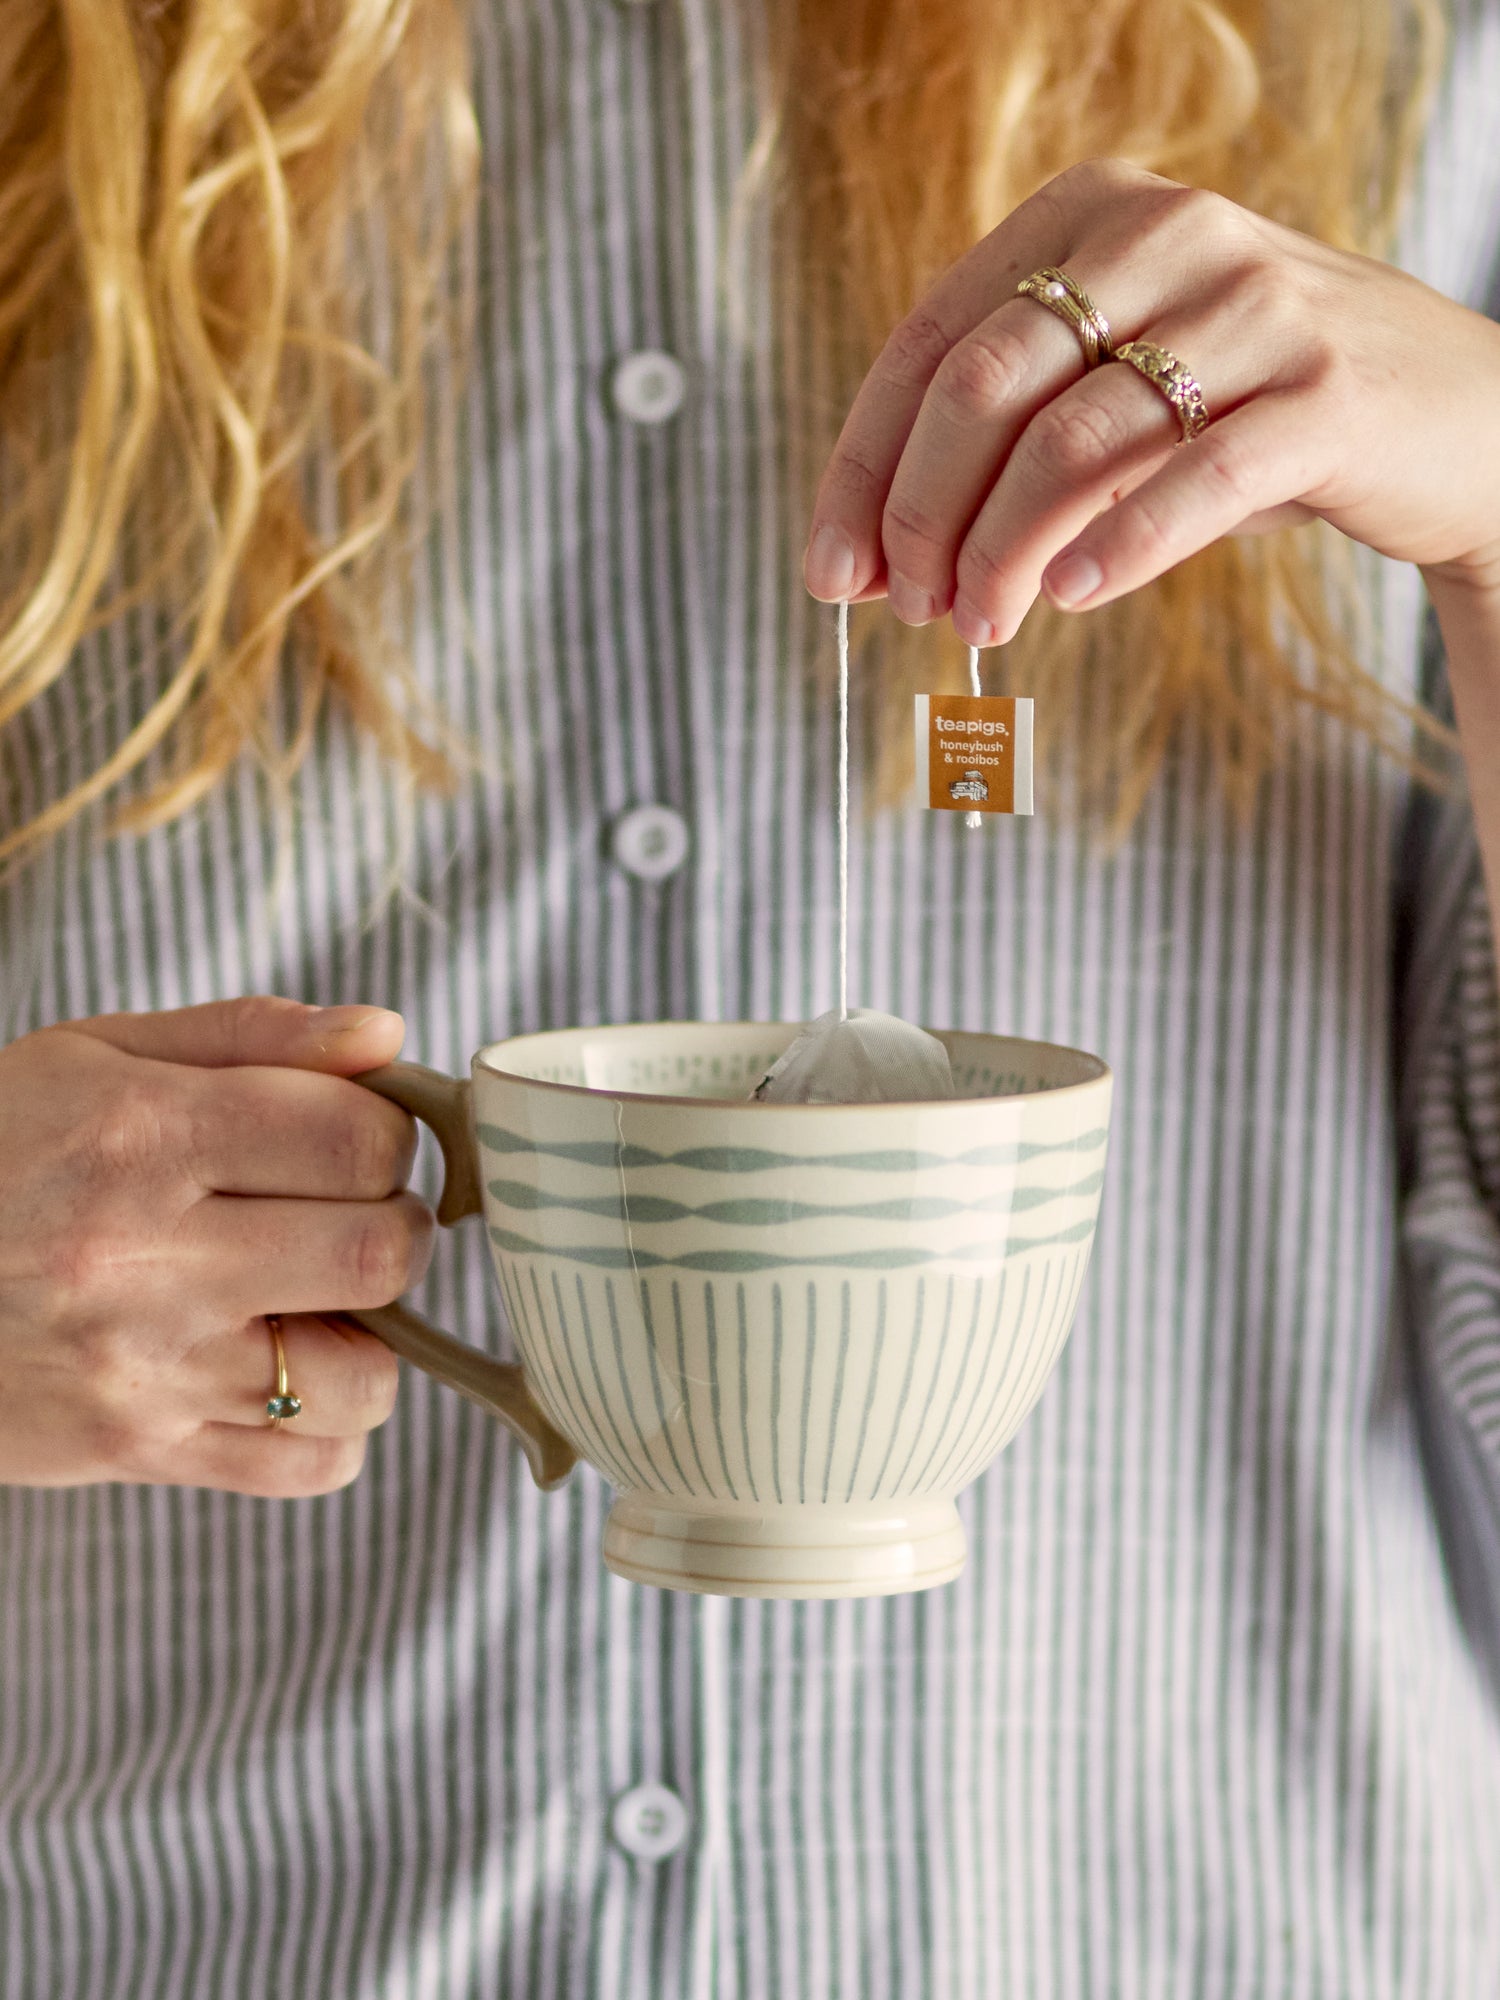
(285,1034)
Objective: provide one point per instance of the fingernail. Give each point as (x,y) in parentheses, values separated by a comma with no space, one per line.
(971,625)
(829,568)
(1072,578)
(908,600)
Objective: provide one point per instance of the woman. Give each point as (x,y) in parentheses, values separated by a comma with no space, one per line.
(1213,1708)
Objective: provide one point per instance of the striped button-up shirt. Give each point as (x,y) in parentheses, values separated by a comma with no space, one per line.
(1214,1709)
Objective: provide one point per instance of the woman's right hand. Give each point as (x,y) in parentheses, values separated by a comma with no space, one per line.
(166,1180)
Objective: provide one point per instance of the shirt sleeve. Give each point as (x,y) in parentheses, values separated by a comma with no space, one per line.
(1448,1073)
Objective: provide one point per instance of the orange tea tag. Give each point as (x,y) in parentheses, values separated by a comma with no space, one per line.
(974,752)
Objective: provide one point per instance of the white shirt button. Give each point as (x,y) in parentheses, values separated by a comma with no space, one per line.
(649,1821)
(648,387)
(650,842)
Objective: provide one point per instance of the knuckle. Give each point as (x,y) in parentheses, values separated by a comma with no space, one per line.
(138,1126)
(120,1445)
(333,1463)
(909,537)
(1196,211)
(1113,168)
(257,1021)
(1078,190)
(1325,372)
(982,575)
(1073,439)
(384,1251)
(375,1150)
(1254,291)
(980,376)
(87,1261)
(318,1466)
(1231,465)
(852,482)
(373,1378)
(1152,532)
(915,349)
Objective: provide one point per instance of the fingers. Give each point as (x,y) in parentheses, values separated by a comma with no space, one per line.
(256,1030)
(977,449)
(1091,449)
(985,400)
(288,1132)
(956,354)
(1092,442)
(344,1378)
(240,1256)
(985,392)
(266,1464)
(1236,475)
(845,557)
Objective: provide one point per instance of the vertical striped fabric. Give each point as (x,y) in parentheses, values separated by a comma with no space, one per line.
(1213,1711)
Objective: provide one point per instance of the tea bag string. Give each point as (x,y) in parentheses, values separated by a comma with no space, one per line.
(844,812)
(974,819)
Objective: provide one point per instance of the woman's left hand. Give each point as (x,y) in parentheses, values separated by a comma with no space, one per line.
(980,463)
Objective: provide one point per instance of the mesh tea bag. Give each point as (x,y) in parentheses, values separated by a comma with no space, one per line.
(863,1057)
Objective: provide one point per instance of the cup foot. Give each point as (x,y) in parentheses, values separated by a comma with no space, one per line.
(867,1551)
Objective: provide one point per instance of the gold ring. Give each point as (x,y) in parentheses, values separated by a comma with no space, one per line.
(282,1406)
(1064,296)
(1165,372)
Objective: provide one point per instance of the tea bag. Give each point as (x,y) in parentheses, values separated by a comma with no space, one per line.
(862,1057)
(854,1055)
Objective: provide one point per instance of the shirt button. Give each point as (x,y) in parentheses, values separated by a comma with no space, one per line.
(650,842)
(649,1821)
(648,387)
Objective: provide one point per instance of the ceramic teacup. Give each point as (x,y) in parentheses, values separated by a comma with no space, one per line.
(786,1334)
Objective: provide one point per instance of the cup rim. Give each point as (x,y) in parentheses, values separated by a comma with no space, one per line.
(1051,1092)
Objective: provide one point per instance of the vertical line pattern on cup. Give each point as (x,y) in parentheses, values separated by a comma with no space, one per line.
(932,1382)
(686,1384)
(836,1399)
(739,1296)
(978,1381)
(911,1361)
(870,1386)
(533,1349)
(616,1465)
(534,1344)
(648,1321)
(993,1354)
(640,1474)
(715,1392)
(1013,1353)
(777,1336)
(619,1347)
(810,1352)
(958,1383)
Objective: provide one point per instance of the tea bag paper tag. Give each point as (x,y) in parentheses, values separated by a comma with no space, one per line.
(974,752)
(862,1057)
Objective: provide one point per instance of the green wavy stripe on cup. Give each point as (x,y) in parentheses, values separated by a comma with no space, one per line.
(608,1257)
(756,1159)
(748,1213)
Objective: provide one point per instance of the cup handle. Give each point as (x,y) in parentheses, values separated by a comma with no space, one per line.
(498,1387)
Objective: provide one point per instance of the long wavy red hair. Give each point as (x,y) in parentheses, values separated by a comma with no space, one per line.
(206,205)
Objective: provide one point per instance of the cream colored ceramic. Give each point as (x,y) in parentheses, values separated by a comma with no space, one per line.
(787,1334)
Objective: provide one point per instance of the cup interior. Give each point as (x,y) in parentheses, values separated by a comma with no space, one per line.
(723,1061)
